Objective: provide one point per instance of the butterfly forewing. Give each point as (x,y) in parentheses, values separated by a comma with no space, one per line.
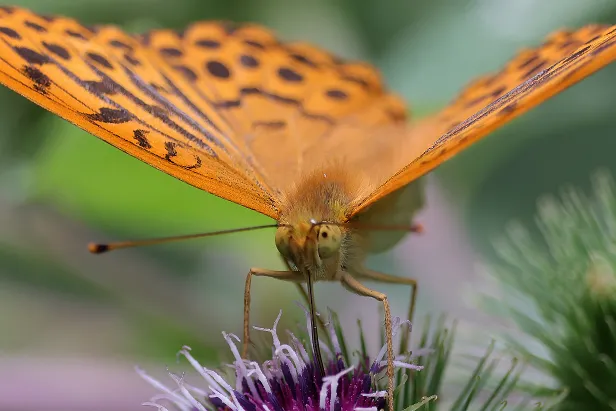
(232,110)
(276,101)
(228,109)
(493,100)
(280,99)
(86,76)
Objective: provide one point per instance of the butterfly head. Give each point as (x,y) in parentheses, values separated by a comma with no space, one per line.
(308,245)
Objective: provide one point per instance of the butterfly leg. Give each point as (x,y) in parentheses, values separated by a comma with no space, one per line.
(371,275)
(351,284)
(292,276)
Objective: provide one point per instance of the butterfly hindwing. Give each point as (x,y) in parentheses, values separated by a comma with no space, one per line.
(493,100)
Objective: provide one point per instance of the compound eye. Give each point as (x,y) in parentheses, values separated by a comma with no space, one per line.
(329,240)
(282,241)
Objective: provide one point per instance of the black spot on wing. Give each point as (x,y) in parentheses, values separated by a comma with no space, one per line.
(92,29)
(10,32)
(98,59)
(171,52)
(197,164)
(186,72)
(120,45)
(171,151)
(48,18)
(171,148)
(300,58)
(218,69)
(290,75)
(363,83)
(249,61)
(75,35)
(31,56)
(100,87)
(158,112)
(254,44)
(110,115)
(336,94)
(36,27)
(208,44)
(508,109)
(132,60)
(140,136)
(41,81)
(57,50)
(159,89)
(275,125)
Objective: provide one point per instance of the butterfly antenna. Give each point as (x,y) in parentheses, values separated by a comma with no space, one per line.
(99,248)
(413,228)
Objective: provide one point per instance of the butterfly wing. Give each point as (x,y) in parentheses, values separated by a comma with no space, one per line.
(228,109)
(233,111)
(279,100)
(108,83)
(489,102)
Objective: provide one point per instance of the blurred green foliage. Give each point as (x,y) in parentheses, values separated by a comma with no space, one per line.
(561,291)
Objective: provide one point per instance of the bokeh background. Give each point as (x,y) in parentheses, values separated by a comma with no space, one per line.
(73,325)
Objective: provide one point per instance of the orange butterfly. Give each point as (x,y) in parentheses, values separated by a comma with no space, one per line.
(285,129)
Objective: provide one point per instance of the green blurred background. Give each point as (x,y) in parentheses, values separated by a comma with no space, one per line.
(72,325)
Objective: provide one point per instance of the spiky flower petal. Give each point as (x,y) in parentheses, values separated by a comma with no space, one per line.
(288,381)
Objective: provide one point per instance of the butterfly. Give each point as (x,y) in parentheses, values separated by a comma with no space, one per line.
(289,130)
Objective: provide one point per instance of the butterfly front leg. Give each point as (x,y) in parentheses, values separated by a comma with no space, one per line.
(353,285)
(366,274)
(291,276)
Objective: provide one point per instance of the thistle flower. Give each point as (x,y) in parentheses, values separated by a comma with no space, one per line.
(288,381)
(569,279)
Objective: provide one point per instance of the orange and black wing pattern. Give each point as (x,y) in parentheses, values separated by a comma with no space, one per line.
(533,76)
(226,108)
